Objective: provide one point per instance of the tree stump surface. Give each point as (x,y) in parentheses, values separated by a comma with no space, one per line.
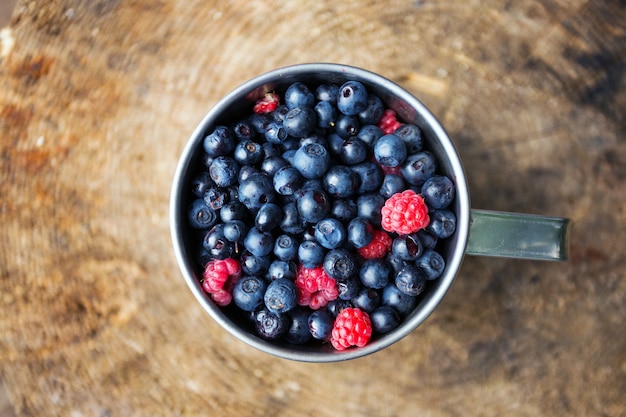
(97,100)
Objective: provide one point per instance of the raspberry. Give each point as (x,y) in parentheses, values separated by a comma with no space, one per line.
(267,104)
(405,213)
(378,247)
(352,328)
(389,123)
(219,279)
(315,287)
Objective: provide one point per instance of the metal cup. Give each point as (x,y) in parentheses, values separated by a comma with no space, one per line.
(478,232)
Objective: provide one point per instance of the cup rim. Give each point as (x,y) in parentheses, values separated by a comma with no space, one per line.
(455,256)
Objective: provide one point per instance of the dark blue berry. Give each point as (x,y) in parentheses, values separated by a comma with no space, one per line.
(258,243)
(234,210)
(271,326)
(201,184)
(275,132)
(312,160)
(326,114)
(280,112)
(291,221)
(335,142)
(392,184)
(281,296)
(375,273)
(353,151)
(369,134)
(344,210)
(336,306)
(300,121)
(235,231)
(248,152)
(200,215)
(311,253)
(370,174)
(313,138)
(256,190)
(313,205)
(340,181)
(373,112)
(287,180)
(321,324)
(340,264)
(347,126)
(298,332)
(403,304)
(384,319)
(411,135)
(419,167)
(299,95)
(224,171)
(288,155)
(327,92)
(390,150)
(348,288)
(258,122)
(216,197)
(438,191)
(431,263)
(360,232)
(248,292)
(407,247)
(396,264)
(243,130)
(216,243)
(428,241)
(246,171)
(330,233)
(273,164)
(281,269)
(254,265)
(367,300)
(268,217)
(442,223)
(221,141)
(286,247)
(352,98)
(369,206)
(411,280)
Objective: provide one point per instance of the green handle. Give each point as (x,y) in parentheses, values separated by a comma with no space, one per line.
(515,235)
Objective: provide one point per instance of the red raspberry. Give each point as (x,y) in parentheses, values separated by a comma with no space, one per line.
(315,287)
(352,328)
(219,279)
(267,104)
(405,213)
(389,123)
(378,247)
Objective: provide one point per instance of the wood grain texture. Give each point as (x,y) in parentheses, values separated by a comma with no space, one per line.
(98,99)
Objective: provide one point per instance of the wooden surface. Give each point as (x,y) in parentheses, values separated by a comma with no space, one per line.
(97,99)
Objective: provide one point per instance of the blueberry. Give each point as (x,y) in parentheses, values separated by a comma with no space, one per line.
(384,319)
(280,112)
(370,174)
(411,280)
(221,141)
(300,121)
(248,293)
(369,206)
(419,167)
(216,197)
(336,306)
(298,332)
(341,182)
(373,112)
(246,171)
(258,243)
(369,134)
(375,273)
(291,221)
(311,160)
(335,142)
(313,205)
(340,264)
(353,151)
(346,126)
(281,296)
(248,152)
(256,190)
(275,132)
(287,180)
(271,326)
(442,223)
(271,149)
(216,243)
(289,154)
(201,183)
(352,98)
(224,171)
(311,253)
(268,217)
(431,263)
(348,288)
(411,135)
(258,122)
(330,233)
(243,130)
(438,191)
(428,241)
(403,304)
(367,300)
(286,247)
(360,232)
(396,264)
(234,210)
(253,265)
(299,95)
(390,150)
(344,210)
(235,231)
(200,215)
(407,247)
(327,92)
(314,137)
(326,114)
(392,184)
(281,269)
(321,324)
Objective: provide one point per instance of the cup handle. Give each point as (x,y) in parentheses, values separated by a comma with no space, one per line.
(516,235)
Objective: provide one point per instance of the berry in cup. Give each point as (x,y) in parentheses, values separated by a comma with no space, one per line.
(319,216)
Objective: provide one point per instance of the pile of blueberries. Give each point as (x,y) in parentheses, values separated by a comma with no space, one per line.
(299,182)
